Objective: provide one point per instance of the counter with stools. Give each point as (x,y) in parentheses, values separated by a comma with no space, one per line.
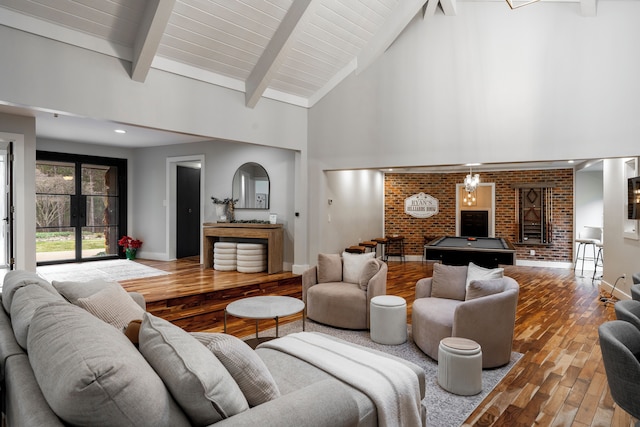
(395,247)
(388,319)
(460,366)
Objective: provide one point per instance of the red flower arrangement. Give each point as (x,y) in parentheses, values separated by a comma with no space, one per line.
(129,243)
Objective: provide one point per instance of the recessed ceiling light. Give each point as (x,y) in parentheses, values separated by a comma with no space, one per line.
(473,164)
(120,131)
(570,161)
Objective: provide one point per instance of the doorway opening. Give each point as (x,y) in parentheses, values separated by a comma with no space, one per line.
(475,213)
(81,206)
(195,162)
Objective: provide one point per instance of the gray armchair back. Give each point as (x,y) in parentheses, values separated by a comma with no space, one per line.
(629,311)
(620,342)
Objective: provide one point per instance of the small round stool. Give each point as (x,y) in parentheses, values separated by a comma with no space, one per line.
(460,366)
(388,319)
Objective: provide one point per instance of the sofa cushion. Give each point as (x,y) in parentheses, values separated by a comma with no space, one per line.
(91,374)
(449,281)
(369,269)
(74,290)
(353,264)
(244,365)
(483,288)
(197,379)
(329,268)
(112,305)
(15,279)
(26,301)
(475,272)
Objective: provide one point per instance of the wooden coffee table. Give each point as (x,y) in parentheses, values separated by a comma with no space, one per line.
(264,307)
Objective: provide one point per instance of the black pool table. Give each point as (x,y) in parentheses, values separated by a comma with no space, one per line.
(483,251)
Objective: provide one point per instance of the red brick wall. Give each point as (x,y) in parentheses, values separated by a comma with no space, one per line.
(442,186)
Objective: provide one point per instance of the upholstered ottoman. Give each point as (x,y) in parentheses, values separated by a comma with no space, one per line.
(224,256)
(388,314)
(460,366)
(252,257)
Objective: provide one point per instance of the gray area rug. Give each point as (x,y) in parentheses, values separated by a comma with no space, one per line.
(113,270)
(444,409)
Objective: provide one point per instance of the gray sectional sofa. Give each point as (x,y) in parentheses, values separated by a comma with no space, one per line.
(64,360)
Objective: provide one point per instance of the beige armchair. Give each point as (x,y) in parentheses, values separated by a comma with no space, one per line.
(338,295)
(484,312)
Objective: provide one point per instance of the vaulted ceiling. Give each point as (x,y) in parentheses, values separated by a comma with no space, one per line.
(291,51)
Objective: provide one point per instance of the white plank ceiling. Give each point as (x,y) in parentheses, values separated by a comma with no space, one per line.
(293,51)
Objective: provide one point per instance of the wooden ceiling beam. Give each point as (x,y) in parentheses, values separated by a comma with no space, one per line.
(154,22)
(277,50)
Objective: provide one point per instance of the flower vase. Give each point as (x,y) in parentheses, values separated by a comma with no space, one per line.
(220,213)
(130,253)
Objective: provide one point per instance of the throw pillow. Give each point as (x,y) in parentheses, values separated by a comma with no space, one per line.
(329,268)
(244,365)
(90,374)
(196,378)
(113,305)
(448,281)
(370,268)
(132,331)
(475,272)
(483,288)
(26,300)
(352,265)
(74,290)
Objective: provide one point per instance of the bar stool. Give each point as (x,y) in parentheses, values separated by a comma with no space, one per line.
(381,241)
(355,249)
(588,236)
(395,247)
(369,244)
(599,260)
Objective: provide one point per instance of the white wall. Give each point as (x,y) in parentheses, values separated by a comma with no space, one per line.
(355,213)
(589,199)
(221,159)
(621,255)
(487,85)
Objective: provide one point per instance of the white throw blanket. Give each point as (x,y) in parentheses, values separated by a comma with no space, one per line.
(392,386)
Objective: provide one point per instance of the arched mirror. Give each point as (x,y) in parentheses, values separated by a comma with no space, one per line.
(251,187)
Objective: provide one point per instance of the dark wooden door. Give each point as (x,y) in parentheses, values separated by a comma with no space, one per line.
(474,223)
(188,212)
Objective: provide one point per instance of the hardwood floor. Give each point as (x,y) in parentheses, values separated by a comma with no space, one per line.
(560,380)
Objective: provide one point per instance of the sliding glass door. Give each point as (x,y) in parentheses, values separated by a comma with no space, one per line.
(80,207)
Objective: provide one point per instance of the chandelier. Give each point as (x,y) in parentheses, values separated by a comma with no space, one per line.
(471,182)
